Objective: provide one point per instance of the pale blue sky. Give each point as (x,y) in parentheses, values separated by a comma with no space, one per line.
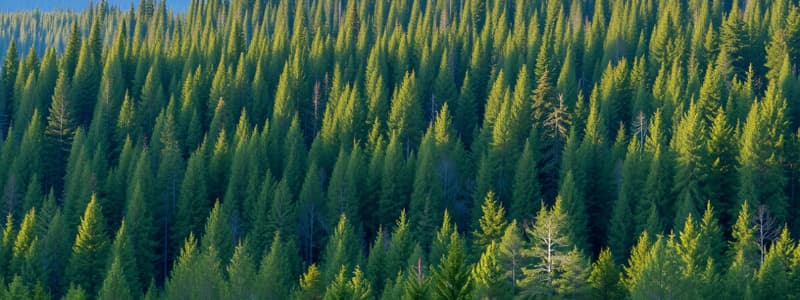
(49,5)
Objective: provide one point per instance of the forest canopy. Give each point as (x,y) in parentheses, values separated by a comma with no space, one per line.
(404,149)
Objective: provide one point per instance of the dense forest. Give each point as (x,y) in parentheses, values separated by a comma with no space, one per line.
(404,149)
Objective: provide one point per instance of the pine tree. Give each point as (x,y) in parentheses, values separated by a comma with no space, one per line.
(310,212)
(85,83)
(9,75)
(59,133)
(193,201)
(659,272)
(743,253)
(605,278)
(278,268)
(195,274)
(720,157)
(401,244)
(217,239)
(572,202)
(55,254)
(115,286)
(89,252)
(761,178)
(75,292)
(559,270)
(341,251)
(393,182)
(427,197)
(25,240)
(488,275)
(241,274)
(342,194)
(310,286)
(451,279)
(122,250)
(689,174)
(526,195)
(492,224)
(405,113)
(511,253)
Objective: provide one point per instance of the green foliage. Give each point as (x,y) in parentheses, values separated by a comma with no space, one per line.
(451,279)
(90,250)
(605,278)
(558,268)
(255,126)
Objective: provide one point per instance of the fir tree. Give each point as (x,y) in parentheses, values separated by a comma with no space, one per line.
(559,270)
(451,279)
(491,224)
(88,261)
(605,277)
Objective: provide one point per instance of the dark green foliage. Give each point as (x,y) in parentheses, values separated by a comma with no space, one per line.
(395,150)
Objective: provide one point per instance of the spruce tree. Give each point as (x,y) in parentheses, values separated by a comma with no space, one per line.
(115,285)
(342,250)
(278,269)
(488,275)
(451,279)
(89,252)
(491,224)
(560,268)
(58,133)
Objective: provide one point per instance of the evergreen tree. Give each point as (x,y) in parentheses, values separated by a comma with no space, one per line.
(558,270)
(488,275)
(341,252)
(721,149)
(241,274)
(491,224)
(278,268)
(605,278)
(115,286)
(89,252)
(405,113)
(195,275)
(59,133)
(451,279)
(526,195)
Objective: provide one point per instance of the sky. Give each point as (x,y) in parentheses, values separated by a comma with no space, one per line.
(50,5)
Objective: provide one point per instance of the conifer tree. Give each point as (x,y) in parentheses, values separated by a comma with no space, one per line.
(743,253)
(85,83)
(405,113)
(689,175)
(491,224)
(605,277)
(193,200)
(721,149)
(341,251)
(559,270)
(122,249)
(393,181)
(488,275)
(761,179)
(526,194)
(115,286)
(9,75)
(88,261)
(451,279)
(241,274)
(217,238)
(196,274)
(278,268)
(310,286)
(58,133)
